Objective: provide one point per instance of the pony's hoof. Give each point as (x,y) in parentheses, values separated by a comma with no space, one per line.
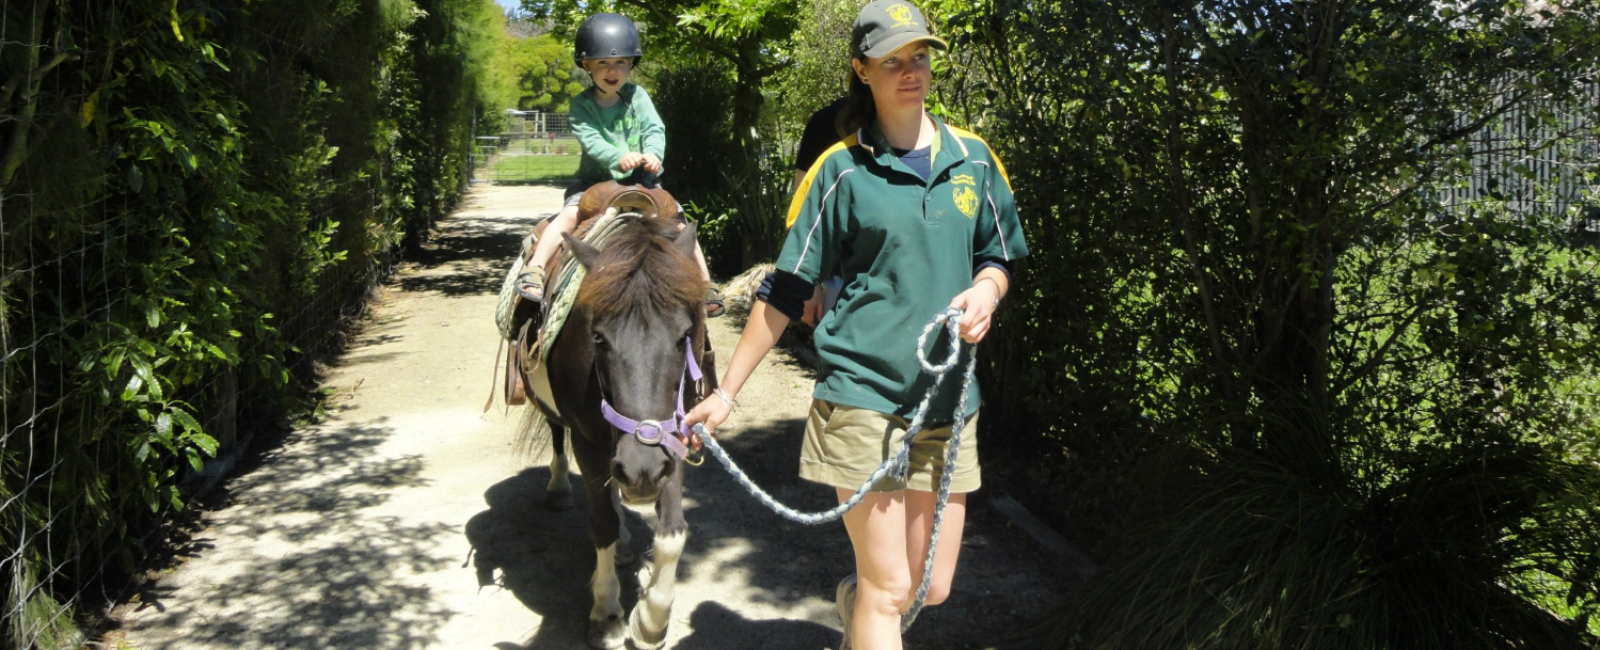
(558,500)
(645,639)
(608,634)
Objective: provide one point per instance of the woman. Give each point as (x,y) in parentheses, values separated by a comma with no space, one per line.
(915,216)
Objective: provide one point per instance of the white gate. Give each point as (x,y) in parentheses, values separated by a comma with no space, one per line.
(536,147)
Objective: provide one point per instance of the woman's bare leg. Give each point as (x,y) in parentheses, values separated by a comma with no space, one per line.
(877,530)
(919,528)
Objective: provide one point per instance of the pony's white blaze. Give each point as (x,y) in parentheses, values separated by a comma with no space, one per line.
(648,624)
(607,590)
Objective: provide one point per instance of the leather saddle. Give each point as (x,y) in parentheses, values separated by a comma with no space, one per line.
(651,201)
(647,201)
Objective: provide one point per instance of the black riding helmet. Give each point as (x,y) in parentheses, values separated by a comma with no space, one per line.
(606,36)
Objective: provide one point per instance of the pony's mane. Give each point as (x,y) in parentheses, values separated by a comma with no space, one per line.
(639,269)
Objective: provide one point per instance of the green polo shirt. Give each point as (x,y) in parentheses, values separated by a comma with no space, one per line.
(606,134)
(905,247)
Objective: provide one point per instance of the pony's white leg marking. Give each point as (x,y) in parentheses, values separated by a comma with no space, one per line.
(605,618)
(625,554)
(647,626)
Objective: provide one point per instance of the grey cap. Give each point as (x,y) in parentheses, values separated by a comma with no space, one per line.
(884,26)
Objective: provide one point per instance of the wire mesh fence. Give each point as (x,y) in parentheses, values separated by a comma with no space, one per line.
(111,256)
(536,147)
(42,313)
(1538,159)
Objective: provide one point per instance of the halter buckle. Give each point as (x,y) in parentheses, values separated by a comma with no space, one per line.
(638,432)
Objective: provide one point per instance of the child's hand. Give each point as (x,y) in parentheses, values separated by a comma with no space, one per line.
(631,160)
(652,164)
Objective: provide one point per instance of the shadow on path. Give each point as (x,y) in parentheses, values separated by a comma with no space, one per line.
(323,573)
(791,561)
(714,624)
(545,557)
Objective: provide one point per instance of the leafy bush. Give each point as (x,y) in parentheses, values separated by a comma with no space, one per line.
(193,198)
(1302,324)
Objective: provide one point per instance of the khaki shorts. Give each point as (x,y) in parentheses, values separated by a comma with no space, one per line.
(844,445)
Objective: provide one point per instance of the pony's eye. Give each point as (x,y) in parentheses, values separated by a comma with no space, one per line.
(599,340)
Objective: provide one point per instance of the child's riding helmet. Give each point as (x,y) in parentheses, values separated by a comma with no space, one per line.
(607,36)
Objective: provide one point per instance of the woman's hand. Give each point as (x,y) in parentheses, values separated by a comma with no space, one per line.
(977,305)
(711,411)
(812,314)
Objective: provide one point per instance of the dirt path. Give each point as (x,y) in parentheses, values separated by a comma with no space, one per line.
(355,532)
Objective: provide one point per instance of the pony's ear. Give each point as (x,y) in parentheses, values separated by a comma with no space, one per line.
(586,254)
(685,241)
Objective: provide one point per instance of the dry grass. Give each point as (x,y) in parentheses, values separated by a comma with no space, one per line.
(742,288)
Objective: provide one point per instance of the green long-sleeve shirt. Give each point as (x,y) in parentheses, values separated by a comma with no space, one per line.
(607,134)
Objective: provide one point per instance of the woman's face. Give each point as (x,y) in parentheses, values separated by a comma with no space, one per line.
(900,80)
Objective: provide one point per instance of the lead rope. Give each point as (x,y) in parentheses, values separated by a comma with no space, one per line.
(896,466)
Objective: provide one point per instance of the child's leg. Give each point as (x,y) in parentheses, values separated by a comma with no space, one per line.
(531,282)
(564,222)
(714,304)
(700,258)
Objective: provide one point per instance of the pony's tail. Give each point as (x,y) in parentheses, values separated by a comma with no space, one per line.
(532,437)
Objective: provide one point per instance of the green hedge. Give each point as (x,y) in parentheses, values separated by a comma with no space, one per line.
(192,198)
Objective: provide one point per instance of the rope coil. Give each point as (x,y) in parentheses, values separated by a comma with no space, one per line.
(896,466)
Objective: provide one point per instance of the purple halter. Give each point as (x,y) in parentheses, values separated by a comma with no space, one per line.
(670,434)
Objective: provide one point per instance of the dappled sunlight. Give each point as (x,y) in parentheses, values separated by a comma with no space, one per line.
(310,562)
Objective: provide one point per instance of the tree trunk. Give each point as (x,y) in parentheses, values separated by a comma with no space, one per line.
(747,98)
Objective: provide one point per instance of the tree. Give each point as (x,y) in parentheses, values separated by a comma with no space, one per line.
(541,70)
(1285,249)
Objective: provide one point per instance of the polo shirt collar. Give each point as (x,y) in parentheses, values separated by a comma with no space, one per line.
(952,151)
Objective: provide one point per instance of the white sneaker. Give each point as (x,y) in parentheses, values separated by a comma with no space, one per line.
(844,597)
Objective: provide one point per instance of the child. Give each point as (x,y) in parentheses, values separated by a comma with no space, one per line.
(621,135)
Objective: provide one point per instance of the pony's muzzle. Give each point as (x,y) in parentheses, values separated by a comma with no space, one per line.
(640,483)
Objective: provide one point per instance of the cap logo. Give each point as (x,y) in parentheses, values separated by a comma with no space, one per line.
(901,15)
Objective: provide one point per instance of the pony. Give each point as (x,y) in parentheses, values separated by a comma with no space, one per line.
(617,372)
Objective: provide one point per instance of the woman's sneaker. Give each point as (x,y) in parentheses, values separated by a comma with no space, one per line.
(845,598)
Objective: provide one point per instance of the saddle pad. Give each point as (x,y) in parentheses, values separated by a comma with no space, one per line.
(568,278)
(508,300)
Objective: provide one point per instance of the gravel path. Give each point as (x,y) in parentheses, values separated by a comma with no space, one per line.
(355,532)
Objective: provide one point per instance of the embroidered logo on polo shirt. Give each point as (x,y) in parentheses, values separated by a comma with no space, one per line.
(966,200)
(901,15)
(963,179)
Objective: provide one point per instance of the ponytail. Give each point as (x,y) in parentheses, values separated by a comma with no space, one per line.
(859,108)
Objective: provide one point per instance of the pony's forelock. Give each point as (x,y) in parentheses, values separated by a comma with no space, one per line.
(639,269)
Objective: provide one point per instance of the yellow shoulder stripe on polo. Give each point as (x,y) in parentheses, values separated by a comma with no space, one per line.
(963,133)
(800,192)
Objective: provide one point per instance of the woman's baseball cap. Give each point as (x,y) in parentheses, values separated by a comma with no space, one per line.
(884,26)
